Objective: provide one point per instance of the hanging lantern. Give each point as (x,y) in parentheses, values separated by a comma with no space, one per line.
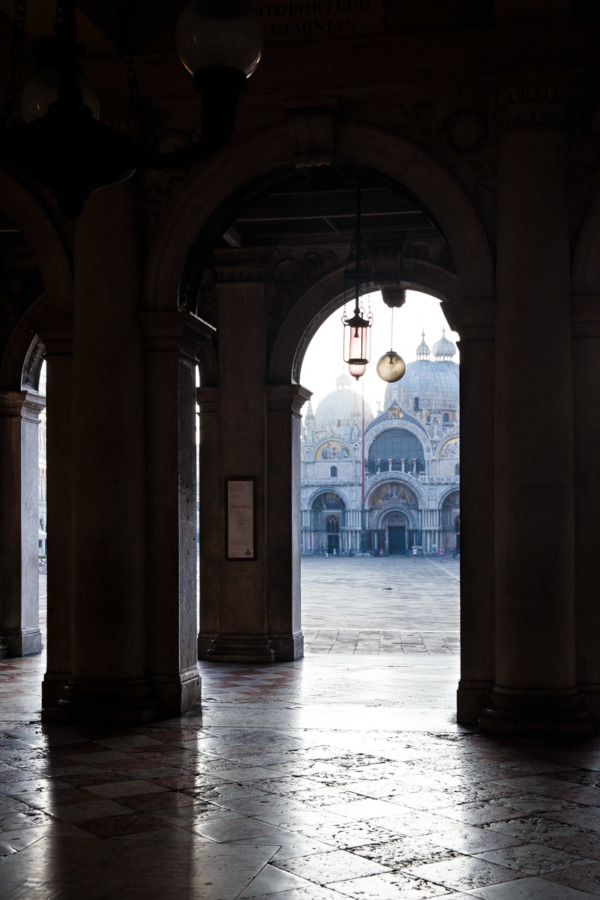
(357,328)
(391,367)
(64,147)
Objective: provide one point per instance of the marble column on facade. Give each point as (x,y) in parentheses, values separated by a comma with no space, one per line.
(57,335)
(171,341)
(535,679)
(19,523)
(108,623)
(238,620)
(476,505)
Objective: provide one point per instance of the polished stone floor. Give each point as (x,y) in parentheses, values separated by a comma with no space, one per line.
(343,775)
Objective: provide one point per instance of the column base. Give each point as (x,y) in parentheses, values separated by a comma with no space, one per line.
(590,693)
(178,695)
(536,715)
(471,698)
(237,649)
(126,701)
(21,642)
(288,647)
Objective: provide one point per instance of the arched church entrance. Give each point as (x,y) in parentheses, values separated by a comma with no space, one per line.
(396,527)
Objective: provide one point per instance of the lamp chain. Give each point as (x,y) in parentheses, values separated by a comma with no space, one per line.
(16,59)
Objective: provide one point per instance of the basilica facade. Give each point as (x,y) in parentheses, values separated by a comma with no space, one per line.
(386,483)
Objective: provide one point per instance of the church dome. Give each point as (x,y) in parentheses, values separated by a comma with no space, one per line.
(433,382)
(341,407)
(443,349)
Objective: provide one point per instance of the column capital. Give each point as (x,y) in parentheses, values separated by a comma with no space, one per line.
(56,334)
(179,330)
(473,319)
(21,404)
(209,399)
(585,315)
(287,398)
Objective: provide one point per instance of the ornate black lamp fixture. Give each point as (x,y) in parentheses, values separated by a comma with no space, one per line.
(63,146)
(391,367)
(357,328)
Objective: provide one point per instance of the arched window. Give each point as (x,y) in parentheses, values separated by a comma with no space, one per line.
(333,472)
(396,444)
(332,525)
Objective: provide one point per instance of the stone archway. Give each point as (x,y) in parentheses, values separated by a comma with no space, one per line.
(468,296)
(20,407)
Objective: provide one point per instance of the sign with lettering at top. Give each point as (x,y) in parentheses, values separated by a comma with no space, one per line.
(302,20)
(240,518)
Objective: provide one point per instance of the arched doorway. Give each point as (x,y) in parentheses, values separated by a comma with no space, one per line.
(293,294)
(397,527)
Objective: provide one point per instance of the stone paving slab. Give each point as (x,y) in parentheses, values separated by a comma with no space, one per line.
(381,606)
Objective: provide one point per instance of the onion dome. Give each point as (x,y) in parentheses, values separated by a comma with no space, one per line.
(423,351)
(429,384)
(444,349)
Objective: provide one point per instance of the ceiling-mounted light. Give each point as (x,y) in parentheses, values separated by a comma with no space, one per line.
(62,145)
(357,328)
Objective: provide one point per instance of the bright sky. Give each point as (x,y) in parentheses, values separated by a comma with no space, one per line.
(323,362)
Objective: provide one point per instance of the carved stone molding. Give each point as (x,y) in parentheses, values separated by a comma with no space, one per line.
(293,272)
(466,131)
(180,331)
(312,130)
(33,365)
(239,266)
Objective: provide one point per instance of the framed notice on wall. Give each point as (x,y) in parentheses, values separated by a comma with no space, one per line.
(239,502)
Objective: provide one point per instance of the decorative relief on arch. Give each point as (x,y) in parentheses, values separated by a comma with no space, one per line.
(451,449)
(328,500)
(33,365)
(392,493)
(292,272)
(332,450)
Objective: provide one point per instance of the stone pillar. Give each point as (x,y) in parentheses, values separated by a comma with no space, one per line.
(586,356)
(476,508)
(248,613)
(19,523)
(283,518)
(171,341)
(108,679)
(535,681)
(57,335)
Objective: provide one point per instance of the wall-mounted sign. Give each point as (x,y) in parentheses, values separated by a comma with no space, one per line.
(319,19)
(240,518)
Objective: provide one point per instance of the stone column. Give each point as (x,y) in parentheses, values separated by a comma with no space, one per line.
(108,679)
(248,613)
(171,342)
(57,335)
(586,356)
(283,518)
(535,681)
(476,509)
(19,523)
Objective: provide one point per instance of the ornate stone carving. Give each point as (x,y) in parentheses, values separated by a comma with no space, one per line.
(466,131)
(33,365)
(292,273)
(312,129)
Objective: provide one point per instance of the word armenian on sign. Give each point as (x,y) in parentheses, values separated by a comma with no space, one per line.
(315,19)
